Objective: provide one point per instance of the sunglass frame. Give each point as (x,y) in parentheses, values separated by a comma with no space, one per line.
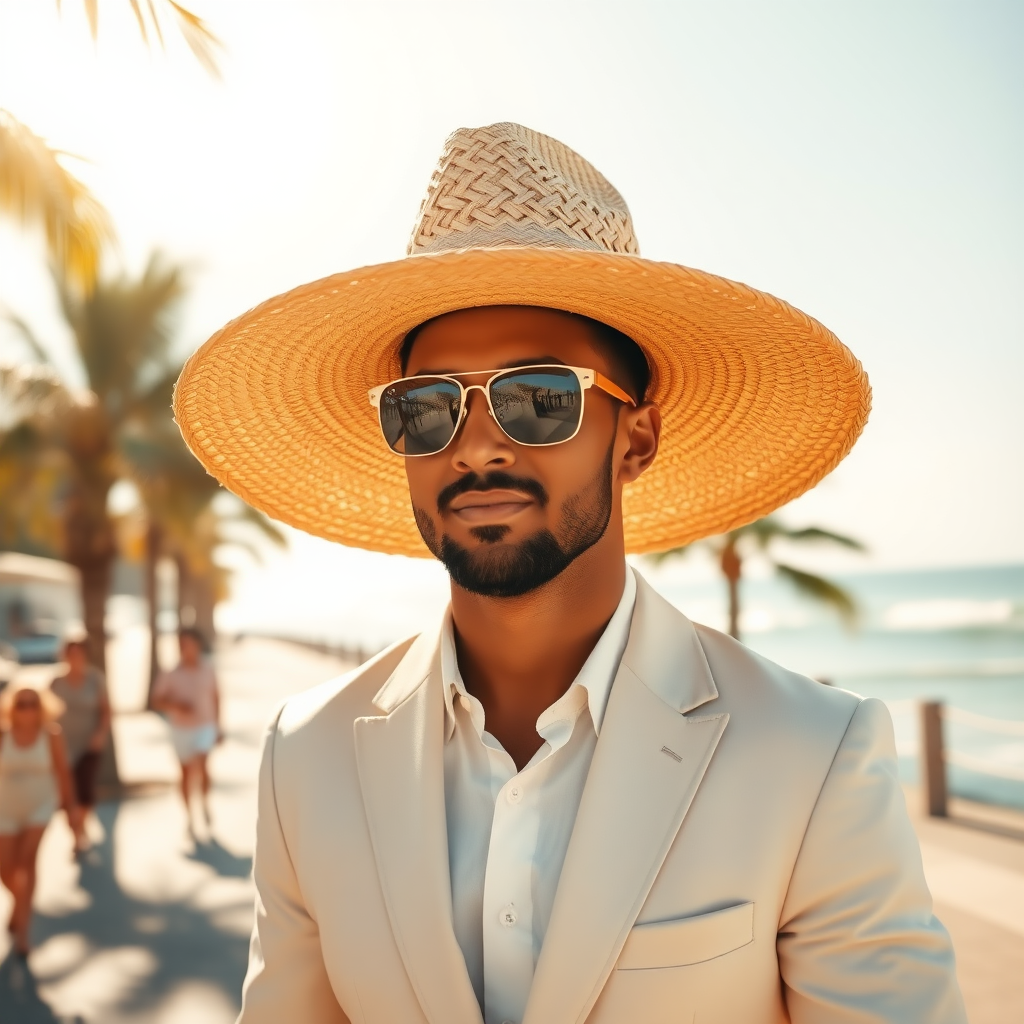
(586,377)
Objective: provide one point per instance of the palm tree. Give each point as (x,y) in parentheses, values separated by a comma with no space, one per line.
(121,428)
(188,517)
(122,332)
(731,548)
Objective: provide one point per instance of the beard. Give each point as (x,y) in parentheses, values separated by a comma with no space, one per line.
(512,570)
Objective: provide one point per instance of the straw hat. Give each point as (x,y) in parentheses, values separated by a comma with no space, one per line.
(759,400)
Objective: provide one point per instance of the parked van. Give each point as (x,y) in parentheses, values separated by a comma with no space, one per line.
(40,604)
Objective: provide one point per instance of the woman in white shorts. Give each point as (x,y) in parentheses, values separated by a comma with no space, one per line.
(34,781)
(188,696)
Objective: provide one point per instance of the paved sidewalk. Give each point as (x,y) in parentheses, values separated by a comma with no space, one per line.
(974,861)
(153,926)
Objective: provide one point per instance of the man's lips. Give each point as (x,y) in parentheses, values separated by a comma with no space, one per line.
(489,506)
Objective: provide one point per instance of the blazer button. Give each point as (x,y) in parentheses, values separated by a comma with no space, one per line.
(508,916)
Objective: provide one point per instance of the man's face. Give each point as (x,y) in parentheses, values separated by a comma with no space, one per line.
(506,518)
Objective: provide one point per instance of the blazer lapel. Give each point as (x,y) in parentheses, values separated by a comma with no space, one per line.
(650,759)
(401,774)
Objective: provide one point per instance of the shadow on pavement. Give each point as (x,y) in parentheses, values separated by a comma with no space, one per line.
(184,941)
(19,999)
(224,862)
(994,828)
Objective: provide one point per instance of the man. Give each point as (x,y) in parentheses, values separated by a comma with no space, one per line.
(566,802)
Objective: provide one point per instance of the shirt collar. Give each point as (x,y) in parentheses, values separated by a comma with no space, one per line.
(596,676)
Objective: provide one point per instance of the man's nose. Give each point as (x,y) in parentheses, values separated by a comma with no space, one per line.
(480,443)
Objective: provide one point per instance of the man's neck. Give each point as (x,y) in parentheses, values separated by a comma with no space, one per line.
(517,656)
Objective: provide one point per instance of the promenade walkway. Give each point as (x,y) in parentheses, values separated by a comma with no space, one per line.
(153,926)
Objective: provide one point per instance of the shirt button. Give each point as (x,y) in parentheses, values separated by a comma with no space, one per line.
(508,916)
(515,794)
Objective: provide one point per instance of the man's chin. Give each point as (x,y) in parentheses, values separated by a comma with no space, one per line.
(494,568)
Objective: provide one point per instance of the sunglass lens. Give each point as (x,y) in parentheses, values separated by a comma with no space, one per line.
(419,416)
(538,406)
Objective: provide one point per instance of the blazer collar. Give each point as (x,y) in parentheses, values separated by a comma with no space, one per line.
(401,773)
(664,651)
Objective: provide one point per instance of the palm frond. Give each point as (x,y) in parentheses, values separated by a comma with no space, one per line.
(201,41)
(816,533)
(156,22)
(27,335)
(659,557)
(93,14)
(761,531)
(820,589)
(137,11)
(250,547)
(197,34)
(123,332)
(35,188)
(270,530)
(30,393)
(154,401)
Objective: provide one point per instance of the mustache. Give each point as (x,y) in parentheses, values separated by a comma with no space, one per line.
(497,480)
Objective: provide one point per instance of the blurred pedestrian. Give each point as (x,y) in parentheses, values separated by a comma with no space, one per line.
(189,696)
(34,781)
(86,727)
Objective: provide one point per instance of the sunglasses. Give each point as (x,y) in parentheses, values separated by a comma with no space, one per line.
(533,405)
(26,705)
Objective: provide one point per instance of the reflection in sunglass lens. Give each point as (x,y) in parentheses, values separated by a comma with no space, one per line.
(418,416)
(538,406)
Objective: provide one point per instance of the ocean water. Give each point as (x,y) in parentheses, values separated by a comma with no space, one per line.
(953,635)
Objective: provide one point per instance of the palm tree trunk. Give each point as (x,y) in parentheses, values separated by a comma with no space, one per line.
(205,601)
(89,541)
(95,575)
(186,601)
(732,567)
(154,544)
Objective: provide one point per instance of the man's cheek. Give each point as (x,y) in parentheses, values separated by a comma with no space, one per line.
(425,524)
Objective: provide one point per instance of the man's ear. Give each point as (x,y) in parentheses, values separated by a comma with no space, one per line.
(643,432)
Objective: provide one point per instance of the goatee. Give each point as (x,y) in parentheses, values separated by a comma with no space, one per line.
(515,569)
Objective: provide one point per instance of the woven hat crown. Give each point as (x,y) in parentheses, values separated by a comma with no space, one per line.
(506,185)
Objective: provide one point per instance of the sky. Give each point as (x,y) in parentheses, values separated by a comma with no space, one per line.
(862,161)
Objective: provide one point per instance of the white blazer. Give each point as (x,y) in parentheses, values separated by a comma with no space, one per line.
(742,854)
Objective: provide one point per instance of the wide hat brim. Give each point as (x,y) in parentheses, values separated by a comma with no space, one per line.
(759,401)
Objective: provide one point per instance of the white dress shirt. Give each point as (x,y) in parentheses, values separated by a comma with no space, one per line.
(508,832)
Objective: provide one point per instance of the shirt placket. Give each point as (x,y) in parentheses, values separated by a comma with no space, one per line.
(508,896)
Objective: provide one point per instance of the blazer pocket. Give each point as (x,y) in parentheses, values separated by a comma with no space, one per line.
(687,940)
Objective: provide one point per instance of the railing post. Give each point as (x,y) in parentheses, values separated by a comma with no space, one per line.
(933,759)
